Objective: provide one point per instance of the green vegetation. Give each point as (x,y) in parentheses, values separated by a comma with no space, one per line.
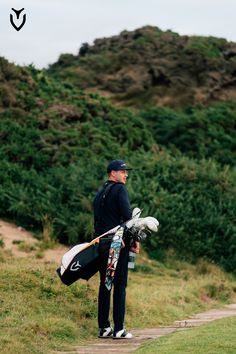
(39,314)
(193,203)
(213,338)
(208,47)
(51,135)
(2,244)
(55,142)
(201,133)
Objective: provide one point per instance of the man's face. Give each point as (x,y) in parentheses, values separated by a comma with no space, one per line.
(120,176)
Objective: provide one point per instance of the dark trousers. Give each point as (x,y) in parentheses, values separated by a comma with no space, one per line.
(119,293)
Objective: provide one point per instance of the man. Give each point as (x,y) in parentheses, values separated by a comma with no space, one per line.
(111,208)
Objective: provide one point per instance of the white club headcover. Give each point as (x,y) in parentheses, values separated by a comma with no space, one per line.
(135,216)
(136,213)
(152,223)
(148,223)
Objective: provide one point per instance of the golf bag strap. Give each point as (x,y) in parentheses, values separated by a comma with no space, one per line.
(104,192)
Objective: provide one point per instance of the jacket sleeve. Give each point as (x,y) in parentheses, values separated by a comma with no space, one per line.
(124,204)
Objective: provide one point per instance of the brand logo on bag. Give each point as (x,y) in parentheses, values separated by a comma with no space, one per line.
(75,266)
(12,20)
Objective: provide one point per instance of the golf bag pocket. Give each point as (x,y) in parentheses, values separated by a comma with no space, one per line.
(83,261)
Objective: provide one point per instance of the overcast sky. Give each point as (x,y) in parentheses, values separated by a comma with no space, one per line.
(61,26)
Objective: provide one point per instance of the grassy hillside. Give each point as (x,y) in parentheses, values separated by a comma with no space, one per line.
(200,133)
(51,135)
(149,66)
(39,314)
(55,142)
(217,338)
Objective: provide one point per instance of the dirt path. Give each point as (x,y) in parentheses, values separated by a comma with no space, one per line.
(12,235)
(143,335)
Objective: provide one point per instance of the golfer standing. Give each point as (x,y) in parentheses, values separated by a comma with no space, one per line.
(111,208)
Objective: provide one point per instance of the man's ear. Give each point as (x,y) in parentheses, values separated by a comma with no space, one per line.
(113,174)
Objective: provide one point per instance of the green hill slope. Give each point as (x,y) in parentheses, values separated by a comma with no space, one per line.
(56,140)
(197,132)
(39,315)
(149,66)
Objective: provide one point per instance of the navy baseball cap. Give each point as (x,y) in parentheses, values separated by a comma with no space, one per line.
(117,165)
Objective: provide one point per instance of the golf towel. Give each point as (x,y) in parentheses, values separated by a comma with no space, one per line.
(114,253)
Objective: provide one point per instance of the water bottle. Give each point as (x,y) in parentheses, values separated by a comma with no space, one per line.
(132,257)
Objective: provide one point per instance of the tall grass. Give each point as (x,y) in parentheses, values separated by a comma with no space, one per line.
(39,314)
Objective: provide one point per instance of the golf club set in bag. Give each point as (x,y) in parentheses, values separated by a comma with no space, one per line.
(83,261)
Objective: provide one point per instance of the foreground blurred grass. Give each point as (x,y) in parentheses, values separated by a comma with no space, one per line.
(213,338)
(39,314)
